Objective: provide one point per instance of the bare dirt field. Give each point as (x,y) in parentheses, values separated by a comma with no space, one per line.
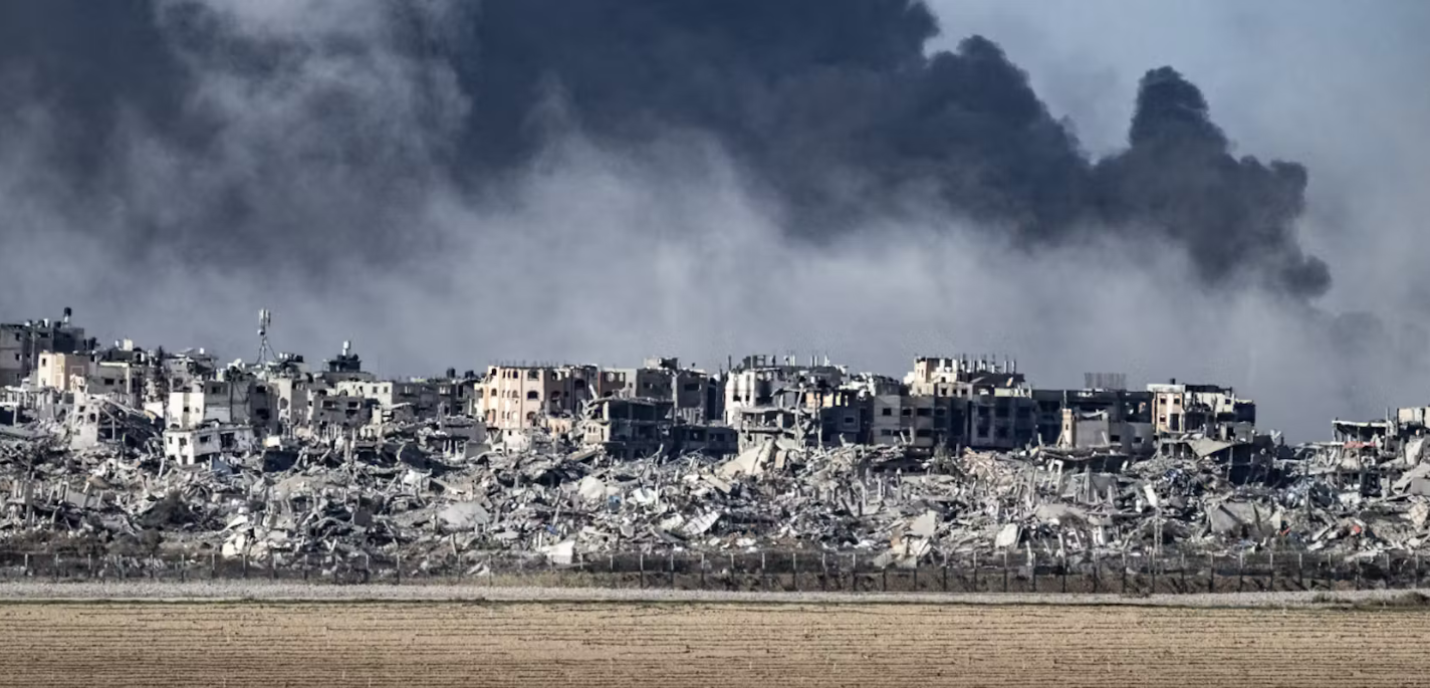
(265,643)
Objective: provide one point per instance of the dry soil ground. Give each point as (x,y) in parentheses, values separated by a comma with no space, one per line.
(269,643)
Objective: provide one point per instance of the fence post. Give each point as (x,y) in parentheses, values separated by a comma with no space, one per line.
(213,565)
(824,570)
(1271,556)
(884,576)
(90,561)
(1385,570)
(398,577)
(854,572)
(56,568)
(1063,569)
(27,564)
(1096,571)
(1211,573)
(1183,557)
(1033,570)
(1155,560)
(916,575)
(1359,566)
(642,568)
(702,570)
(1417,571)
(672,569)
(1240,570)
(1005,570)
(306,564)
(1124,572)
(122,572)
(944,575)
(764,573)
(272,567)
(975,570)
(1301,570)
(731,577)
(794,569)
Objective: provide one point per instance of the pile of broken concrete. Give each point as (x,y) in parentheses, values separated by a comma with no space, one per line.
(401,496)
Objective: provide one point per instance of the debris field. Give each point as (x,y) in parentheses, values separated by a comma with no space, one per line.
(401,496)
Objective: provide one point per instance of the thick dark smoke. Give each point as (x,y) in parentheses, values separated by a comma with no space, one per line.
(832,107)
(89,64)
(1179,178)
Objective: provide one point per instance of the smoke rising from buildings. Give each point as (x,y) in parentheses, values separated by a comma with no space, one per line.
(449,184)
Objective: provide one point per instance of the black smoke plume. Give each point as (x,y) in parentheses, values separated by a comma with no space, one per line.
(833,107)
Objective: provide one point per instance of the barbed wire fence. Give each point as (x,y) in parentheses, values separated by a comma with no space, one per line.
(769,570)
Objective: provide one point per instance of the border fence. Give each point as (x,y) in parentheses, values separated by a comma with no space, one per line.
(773,571)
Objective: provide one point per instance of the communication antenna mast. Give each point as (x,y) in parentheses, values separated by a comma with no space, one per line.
(265,351)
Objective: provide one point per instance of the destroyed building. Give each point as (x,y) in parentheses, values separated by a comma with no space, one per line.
(1199,408)
(1094,417)
(21,345)
(961,454)
(696,397)
(204,443)
(518,398)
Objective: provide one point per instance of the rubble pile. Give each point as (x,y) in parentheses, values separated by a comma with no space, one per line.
(409,493)
(131,452)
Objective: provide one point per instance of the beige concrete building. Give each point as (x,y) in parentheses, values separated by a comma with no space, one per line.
(97,419)
(122,381)
(65,372)
(290,399)
(696,396)
(961,376)
(422,395)
(760,382)
(331,415)
(516,398)
(21,345)
(979,402)
(628,428)
(1182,408)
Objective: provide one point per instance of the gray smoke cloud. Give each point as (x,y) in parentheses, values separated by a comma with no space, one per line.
(450,186)
(833,105)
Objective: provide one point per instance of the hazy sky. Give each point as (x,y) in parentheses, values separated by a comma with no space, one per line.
(1338,86)
(323,191)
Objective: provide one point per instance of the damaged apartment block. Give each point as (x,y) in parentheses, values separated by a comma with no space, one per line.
(122,449)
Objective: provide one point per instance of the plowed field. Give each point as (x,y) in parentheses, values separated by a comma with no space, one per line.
(623,644)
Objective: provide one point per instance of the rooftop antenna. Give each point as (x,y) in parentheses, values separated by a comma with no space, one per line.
(265,351)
